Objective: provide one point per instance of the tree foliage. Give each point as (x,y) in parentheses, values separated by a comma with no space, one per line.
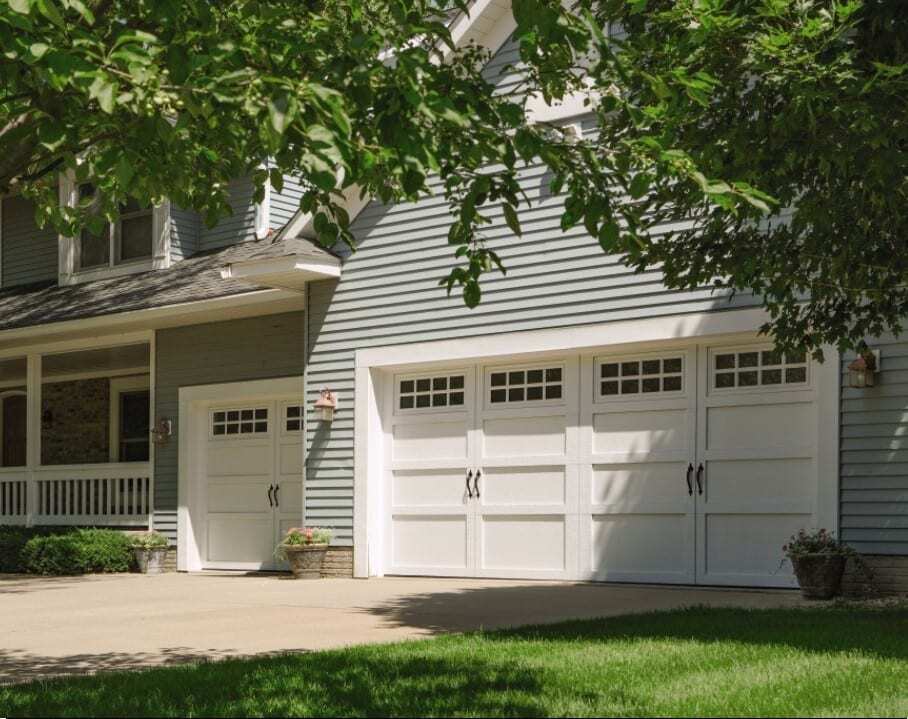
(751,145)
(757,145)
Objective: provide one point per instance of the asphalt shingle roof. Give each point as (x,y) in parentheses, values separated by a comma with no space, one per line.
(191,280)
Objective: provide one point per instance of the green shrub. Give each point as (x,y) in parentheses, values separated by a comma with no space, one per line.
(149,540)
(57,554)
(13,541)
(76,551)
(105,550)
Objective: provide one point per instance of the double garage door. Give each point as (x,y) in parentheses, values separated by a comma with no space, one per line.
(689,465)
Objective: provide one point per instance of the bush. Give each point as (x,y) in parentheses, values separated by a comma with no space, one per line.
(13,541)
(76,551)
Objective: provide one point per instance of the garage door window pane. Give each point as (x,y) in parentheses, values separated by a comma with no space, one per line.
(645,376)
(437,392)
(514,386)
(239,422)
(751,368)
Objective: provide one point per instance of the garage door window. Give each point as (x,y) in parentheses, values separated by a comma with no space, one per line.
(232,422)
(525,384)
(293,418)
(758,367)
(433,392)
(640,377)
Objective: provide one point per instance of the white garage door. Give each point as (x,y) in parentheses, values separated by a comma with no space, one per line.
(688,465)
(253,482)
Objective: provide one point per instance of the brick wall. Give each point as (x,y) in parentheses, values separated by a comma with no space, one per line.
(338,562)
(75,424)
(890,575)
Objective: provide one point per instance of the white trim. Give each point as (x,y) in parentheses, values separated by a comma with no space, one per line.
(290,272)
(560,340)
(192,424)
(631,335)
(118,386)
(263,213)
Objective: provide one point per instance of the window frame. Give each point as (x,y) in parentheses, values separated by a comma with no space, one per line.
(118,387)
(524,367)
(70,270)
(432,375)
(711,372)
(640,357)
(269,419)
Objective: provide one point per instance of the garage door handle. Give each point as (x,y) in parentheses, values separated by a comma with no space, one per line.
(469,491)
(277,502)
(270,490)
(476,483)
(690,486)
(700,478)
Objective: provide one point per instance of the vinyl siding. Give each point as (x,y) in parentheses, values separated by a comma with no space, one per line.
(389,295)
(214,353)
(874,455)
(185,227)
(285,203)
(239,227)
(29,254)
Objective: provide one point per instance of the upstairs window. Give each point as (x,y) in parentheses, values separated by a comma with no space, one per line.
(128,239)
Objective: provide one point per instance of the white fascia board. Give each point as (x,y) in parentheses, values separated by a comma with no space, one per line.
(291,272)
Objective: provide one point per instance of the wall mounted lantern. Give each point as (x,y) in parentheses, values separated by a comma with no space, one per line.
(325,405)
(161,431)
(862,371)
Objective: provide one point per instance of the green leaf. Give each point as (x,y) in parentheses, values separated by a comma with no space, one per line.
(20,6)
(281,111)
(103,90)
(510,216)
(608,236)
(472,294)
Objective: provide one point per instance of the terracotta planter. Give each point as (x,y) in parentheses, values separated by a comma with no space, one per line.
(819,575)
(306,560)
(150,561)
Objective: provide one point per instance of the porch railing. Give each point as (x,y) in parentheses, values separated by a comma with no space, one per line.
(98,494)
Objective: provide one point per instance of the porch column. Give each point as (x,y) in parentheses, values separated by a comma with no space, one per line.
(33,433)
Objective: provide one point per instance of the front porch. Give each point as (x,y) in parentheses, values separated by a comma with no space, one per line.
(75,445)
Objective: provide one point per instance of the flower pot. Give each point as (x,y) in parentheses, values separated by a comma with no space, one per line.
(819,575)
(306,560)
(150,561)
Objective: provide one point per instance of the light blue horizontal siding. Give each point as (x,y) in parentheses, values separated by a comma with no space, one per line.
(238,227)
(874,454)
(215,353)
(29,254)
(185,226)
(389,295)
(285,203)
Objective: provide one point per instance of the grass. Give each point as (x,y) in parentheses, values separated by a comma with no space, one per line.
(714,662)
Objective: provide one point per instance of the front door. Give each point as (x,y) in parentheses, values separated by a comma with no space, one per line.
(13,445)
(253,482)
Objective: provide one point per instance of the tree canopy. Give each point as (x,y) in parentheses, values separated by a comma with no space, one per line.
(751,145)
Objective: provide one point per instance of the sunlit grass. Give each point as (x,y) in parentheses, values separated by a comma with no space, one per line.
(714,662)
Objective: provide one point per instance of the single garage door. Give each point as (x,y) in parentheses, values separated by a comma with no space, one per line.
(685,465)
(253,482)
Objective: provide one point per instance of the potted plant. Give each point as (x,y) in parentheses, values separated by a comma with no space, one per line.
(305,548)
(149,549)
(818,560)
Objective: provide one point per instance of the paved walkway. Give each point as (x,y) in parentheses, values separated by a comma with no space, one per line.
(53,626)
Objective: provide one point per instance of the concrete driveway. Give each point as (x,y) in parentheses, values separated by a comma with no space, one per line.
(71,625)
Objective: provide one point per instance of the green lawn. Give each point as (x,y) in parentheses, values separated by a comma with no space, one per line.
(718,662)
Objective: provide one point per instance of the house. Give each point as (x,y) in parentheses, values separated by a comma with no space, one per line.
(583,423)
